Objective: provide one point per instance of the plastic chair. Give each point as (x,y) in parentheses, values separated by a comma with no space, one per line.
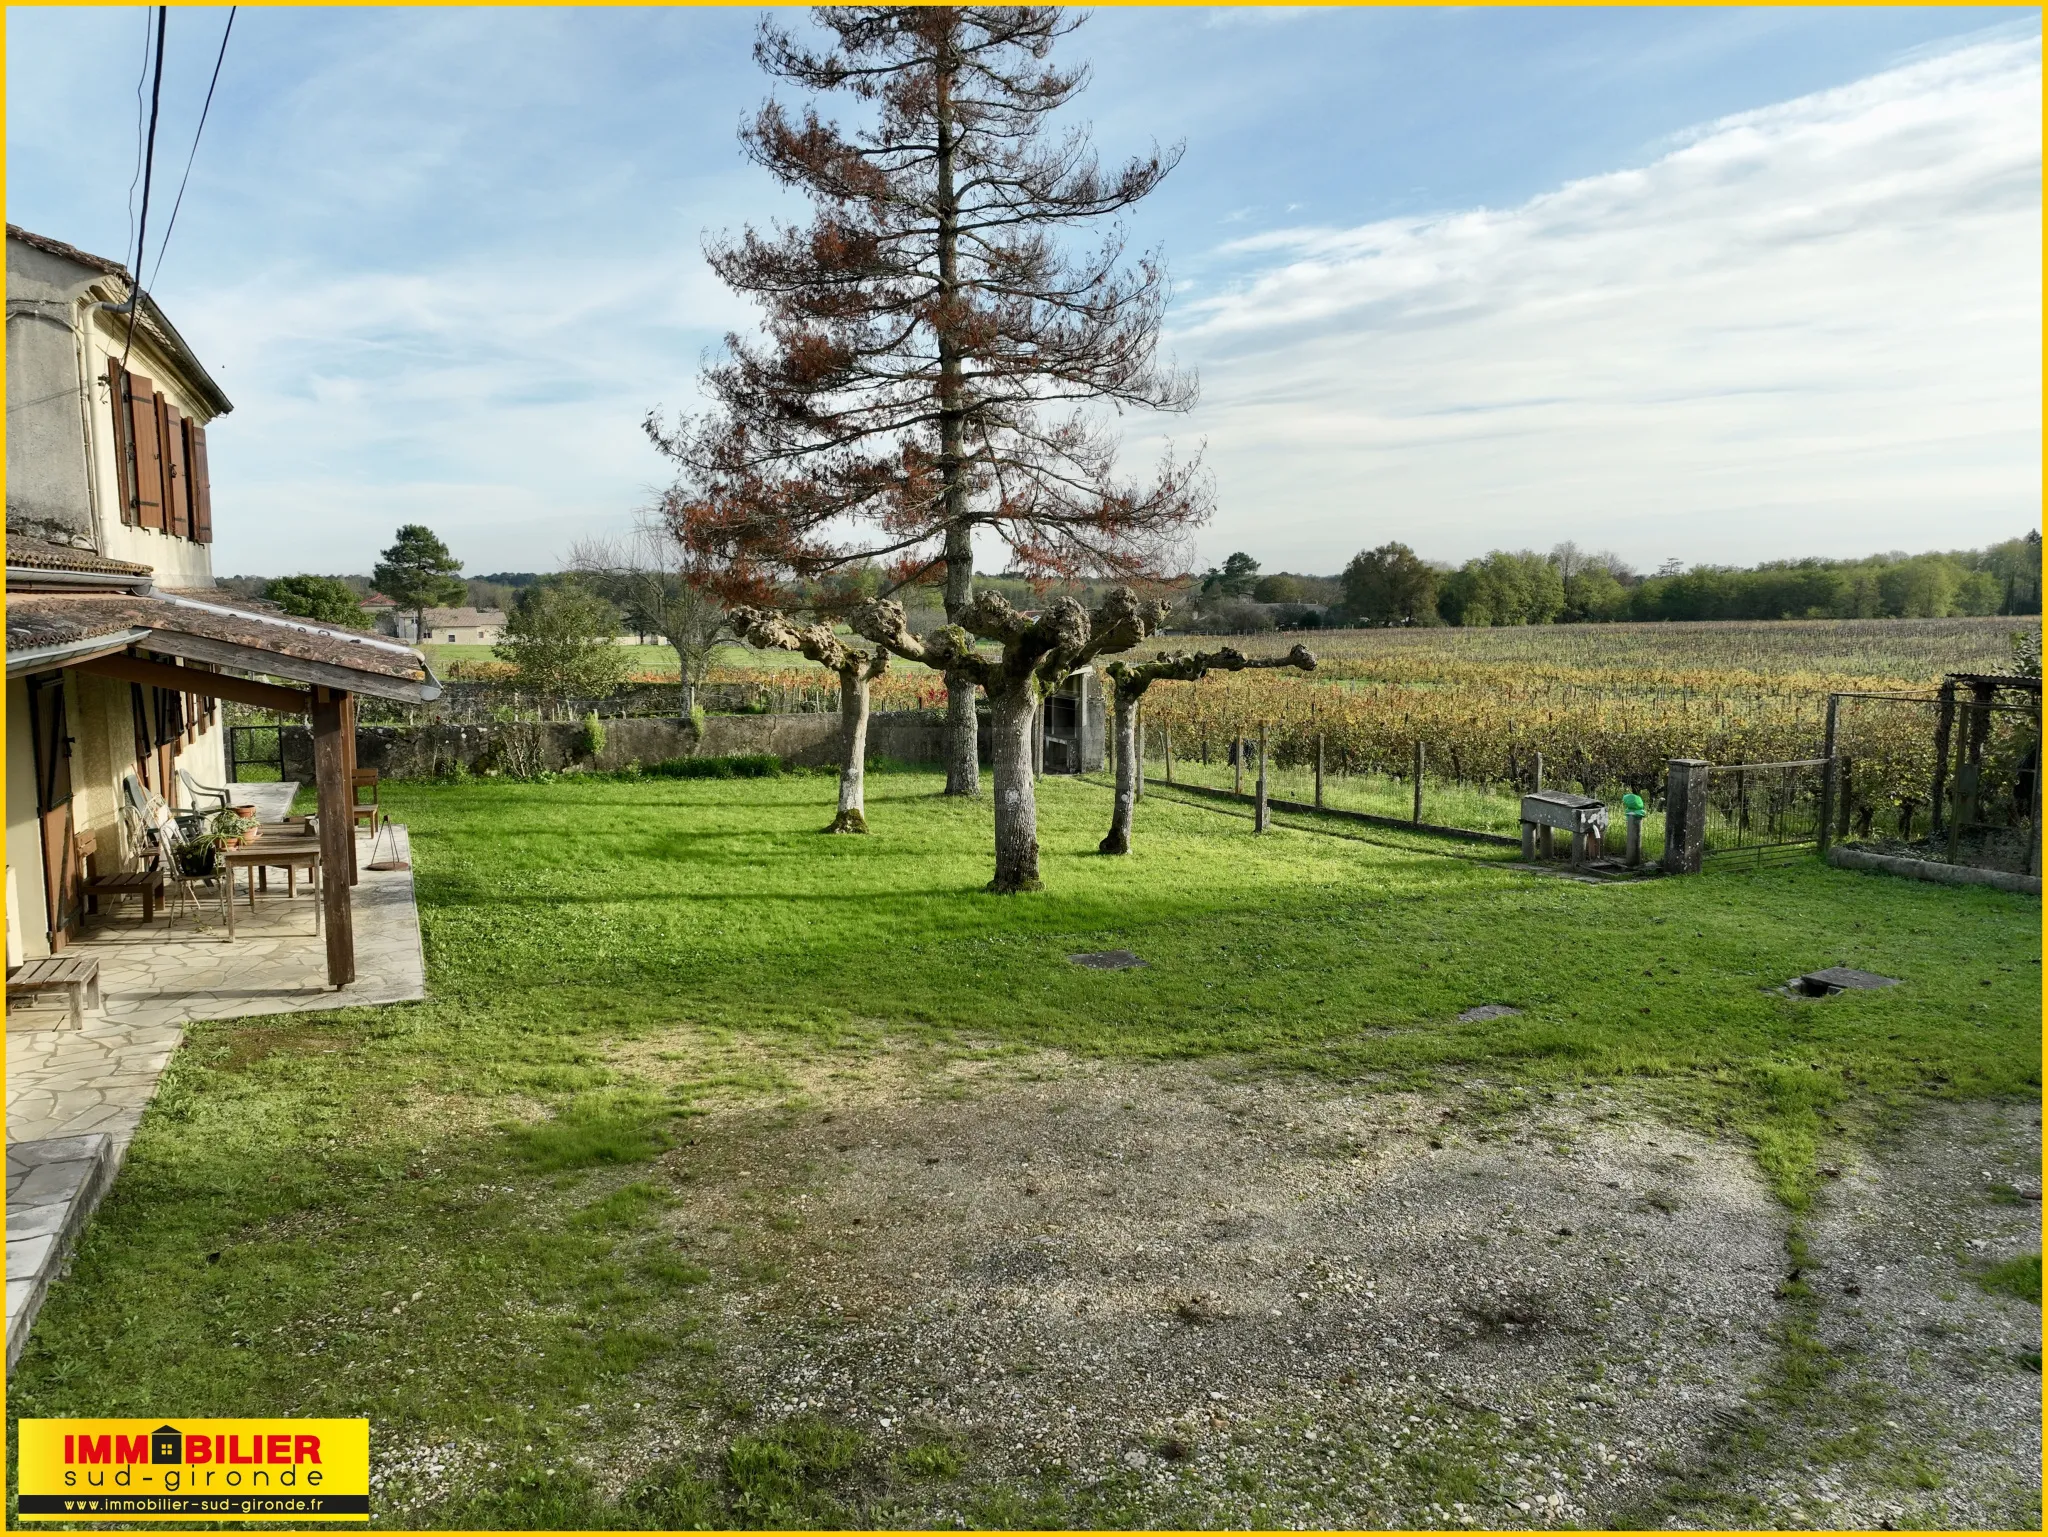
(222,798)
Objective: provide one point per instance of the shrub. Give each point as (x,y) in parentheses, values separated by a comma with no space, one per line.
(590,741)
(756,765)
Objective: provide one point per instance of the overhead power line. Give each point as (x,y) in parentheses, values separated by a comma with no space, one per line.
(208,107)
(156,93)
(141,117)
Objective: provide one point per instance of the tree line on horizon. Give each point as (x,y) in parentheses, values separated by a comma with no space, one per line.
(1392,585)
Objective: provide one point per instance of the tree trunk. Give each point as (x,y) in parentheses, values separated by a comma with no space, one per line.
(1016,798)
(1126,725)
(688,693)
(853,766)
(963,752)
(963,739)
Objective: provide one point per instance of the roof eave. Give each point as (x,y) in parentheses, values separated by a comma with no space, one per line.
(27,659)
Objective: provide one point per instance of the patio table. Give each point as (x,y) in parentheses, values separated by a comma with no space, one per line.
(278,848)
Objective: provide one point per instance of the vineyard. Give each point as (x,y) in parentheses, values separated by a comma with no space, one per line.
(1597,708)
(1605,707)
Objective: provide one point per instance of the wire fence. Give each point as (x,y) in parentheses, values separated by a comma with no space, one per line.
(1945,778)
(1429,795)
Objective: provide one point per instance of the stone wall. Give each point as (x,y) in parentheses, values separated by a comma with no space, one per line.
(414,752)
(470,702)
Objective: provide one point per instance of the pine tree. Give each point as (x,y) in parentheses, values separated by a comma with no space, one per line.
(934,360)
(418,573)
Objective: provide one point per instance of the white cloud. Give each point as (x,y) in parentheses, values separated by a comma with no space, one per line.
(1813,328)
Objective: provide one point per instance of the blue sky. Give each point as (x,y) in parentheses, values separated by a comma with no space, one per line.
(1710,284)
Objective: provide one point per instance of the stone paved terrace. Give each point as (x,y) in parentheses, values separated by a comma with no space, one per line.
(65,1084)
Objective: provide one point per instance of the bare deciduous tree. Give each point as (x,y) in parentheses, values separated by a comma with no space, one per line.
(661,587)
(1131,680)
(773,630)
(934,361)
(1038,654)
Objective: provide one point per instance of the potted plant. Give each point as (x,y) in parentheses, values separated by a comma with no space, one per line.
(199,857)
(231,828)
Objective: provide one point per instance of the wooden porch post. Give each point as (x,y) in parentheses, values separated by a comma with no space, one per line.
(337,830)
(349,705)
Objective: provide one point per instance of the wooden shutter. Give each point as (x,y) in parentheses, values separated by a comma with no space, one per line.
(163,453)
(124,443)
(202,492)
(142,399)
(177,486)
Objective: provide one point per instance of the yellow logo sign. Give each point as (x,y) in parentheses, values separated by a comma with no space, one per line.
(195,1470)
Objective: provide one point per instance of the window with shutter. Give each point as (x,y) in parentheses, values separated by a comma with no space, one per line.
(141,397)
(124,445)
(202,492)
(177,487)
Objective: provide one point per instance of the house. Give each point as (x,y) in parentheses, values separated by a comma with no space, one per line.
(457,627)
(119,645)
(381,613)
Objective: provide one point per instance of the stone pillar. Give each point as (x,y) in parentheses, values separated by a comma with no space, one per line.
(1685,815)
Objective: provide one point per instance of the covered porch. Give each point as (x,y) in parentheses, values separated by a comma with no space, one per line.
(77,1091)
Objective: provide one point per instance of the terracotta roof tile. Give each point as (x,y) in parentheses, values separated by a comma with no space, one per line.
(42,555)
(72,616)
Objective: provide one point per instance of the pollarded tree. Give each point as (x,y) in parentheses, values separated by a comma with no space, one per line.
(1038,654)
(934,360)
(772,630)
(1131,680)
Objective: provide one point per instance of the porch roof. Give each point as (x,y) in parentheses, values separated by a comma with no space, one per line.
(56,629)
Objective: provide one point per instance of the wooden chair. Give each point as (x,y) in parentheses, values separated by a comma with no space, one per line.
(365,811)
(75,975)
(148,885)
(155,831)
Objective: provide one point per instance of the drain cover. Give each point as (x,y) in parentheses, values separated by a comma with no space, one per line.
(1486,1011)
(1107,960)
(1836,979)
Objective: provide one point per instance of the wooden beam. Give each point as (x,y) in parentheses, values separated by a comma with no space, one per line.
(214,685)
(337,832)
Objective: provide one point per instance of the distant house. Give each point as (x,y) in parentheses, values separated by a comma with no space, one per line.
(381,612)
(456,627)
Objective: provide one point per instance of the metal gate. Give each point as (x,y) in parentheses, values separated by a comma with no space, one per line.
(266,754)
(1763,811)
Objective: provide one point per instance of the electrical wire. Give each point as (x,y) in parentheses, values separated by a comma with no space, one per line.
(156,94)
(208,107)
(141,81)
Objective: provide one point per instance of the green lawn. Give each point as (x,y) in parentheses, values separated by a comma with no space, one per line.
(416,1212)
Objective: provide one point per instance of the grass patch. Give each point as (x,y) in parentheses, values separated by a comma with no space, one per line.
(759,765)
(629,1206)
(449,1215)
(2018,1277)
(592,1131)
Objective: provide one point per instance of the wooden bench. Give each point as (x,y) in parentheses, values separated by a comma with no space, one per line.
(76,975)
